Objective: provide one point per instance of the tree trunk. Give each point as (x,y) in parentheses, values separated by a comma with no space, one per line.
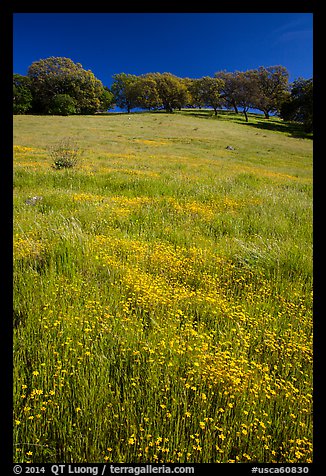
(245,114)
(215,111)
(266,114)
(235,107)
(167,106)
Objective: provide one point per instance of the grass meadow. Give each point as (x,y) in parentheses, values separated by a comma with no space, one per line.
(163,290)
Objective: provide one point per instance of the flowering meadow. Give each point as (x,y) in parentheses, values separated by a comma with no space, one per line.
(163,290)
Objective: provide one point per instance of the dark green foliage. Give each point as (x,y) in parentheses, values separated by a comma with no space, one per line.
(22,95)
(299,106)
(62,105)
(106,100)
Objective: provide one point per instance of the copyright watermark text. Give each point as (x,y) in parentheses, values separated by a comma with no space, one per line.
(105,469)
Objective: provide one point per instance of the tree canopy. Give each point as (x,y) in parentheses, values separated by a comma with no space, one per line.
(171,90)
(57,85)
(272,86)
(57,76)
(299,104)
(123,92)
(208,92)
(264,89)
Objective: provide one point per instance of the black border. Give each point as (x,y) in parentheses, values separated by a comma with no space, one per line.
(7,10)
(222,6)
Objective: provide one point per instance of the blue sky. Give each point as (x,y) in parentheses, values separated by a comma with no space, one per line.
(185,44)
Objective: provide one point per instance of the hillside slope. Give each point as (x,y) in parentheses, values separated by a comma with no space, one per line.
(163,290)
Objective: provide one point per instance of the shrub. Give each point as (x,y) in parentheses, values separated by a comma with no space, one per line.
(62,105)
(65,153)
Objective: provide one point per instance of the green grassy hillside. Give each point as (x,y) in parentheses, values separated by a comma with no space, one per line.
(163,290)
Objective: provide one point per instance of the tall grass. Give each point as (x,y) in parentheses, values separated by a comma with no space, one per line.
(162,291)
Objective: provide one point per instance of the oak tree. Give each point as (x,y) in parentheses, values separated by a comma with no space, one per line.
(272,87)
(59,75)
(208,92)
(123,91)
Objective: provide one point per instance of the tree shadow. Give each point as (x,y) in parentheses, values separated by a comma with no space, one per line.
(207,114)
(132,112)
(292,129)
